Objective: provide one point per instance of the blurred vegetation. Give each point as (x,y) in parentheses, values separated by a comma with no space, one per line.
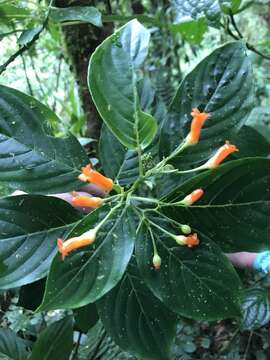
(46,71)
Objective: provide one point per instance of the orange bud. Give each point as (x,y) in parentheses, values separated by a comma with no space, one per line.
(92,176)
(65,247)
(193,197)
(220,155)
(156,261)
(87,201)
(197,123)
(189,241)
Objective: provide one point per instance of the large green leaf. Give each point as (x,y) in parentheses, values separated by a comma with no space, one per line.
(31,159)
(86,317)
(255,308)
(29,228)
(235,209)
(88,14)
(136,320)
(11,346)
(220,85)
(90,272)
(199,283)
(55,342)
(113,85)
(118,162)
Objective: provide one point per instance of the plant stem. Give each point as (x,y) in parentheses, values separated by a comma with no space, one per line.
(75,354)
(27,46)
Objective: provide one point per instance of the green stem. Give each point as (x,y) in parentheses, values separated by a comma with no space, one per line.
(110,213)
(22,49)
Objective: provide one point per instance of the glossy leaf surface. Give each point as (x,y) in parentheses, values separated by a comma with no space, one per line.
(221,85)
(137,321)
(30,159)
(55,342)
(115,91)
(29,228)
(90,272)
(198,282)
(12,347)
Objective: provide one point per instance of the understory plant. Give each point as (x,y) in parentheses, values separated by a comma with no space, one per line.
(177,196)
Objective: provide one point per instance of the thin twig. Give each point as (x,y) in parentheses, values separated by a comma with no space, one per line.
(57,82)
(241,37)
(37,77)
(27,46)
(248,345)
(26,75)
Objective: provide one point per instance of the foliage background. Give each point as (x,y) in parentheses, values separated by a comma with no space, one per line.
(49,72)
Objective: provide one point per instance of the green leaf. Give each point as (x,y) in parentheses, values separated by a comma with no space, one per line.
(125,166)
(55,342)
(198,283)
(255,308)
(136,320)
(28,35)
(31,295)
(90,272)
(220,85)
(88,14)
(29,227)
(235,216)
(251,143)
(11,12)
(230,6)
(31,159)
(12,346)
(118,162)
(86,317)
(193,31)
(112,83)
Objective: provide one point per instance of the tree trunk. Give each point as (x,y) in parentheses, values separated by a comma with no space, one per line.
(81,41)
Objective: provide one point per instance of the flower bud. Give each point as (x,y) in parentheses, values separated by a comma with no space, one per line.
(186,229)
(156,261)
(193,197)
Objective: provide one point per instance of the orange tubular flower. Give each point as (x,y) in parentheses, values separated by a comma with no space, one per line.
(86,201)
(220,155)
(189,241)
(193,197)
(197,123)
(94,177)
(65,247)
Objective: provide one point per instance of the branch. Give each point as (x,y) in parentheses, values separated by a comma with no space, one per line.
(27,46)
(241,37)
